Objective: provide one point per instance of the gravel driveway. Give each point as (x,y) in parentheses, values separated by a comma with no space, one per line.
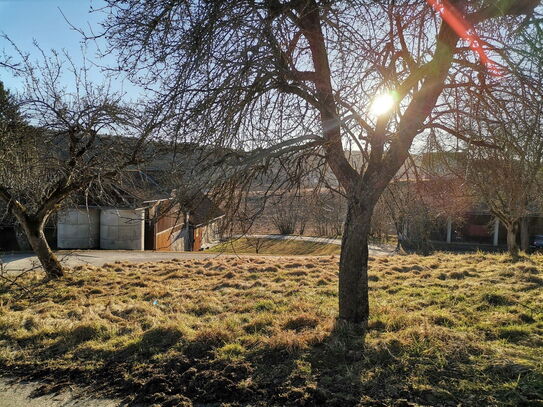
(22,394)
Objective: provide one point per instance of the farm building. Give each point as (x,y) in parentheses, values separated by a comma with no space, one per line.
(135,213)
(156,226)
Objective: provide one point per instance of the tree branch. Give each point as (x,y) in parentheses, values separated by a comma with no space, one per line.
(458,135)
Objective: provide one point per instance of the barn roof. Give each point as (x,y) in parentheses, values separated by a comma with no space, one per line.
(204,210)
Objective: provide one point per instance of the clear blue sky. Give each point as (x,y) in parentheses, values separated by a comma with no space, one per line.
(27,20)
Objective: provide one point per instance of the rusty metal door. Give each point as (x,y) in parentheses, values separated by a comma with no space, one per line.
(162,240)
(166,227)
(198,234)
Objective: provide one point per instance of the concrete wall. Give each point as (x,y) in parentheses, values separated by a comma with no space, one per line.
(210,235)
(78,228)
(122,229)
(178,240)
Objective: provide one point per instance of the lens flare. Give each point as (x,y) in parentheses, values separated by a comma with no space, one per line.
(465,31)
(382,104)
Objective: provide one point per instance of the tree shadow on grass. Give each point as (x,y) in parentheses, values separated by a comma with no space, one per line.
(339,370)
(344,370)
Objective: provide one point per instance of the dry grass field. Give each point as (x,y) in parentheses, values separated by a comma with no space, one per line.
(445,330)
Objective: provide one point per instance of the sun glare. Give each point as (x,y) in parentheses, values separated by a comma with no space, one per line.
(382,104)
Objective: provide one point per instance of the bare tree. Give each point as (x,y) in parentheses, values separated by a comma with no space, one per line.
(327,211)
(288,213)
(277,76)
(70,140)
(381,223)
(258,243)
(421,208)
(508,178)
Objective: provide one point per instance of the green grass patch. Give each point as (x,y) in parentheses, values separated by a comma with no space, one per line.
(287,247)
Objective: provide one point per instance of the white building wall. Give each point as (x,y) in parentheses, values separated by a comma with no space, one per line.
(178,240)
(78,228)
(210,235)
(122,229)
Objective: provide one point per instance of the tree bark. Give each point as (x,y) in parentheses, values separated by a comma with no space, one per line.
(353,270)
(512,246)
(36,237)
(22,240)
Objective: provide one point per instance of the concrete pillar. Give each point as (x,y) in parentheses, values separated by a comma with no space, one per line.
(449,230)
(496,231)
(187,234)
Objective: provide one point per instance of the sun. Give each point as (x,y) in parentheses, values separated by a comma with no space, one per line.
(382,104)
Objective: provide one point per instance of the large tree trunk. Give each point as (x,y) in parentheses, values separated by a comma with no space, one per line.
(22,240)
(353,270)
(512,246)
(36,237)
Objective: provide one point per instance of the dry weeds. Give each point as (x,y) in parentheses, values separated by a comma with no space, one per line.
(445,329)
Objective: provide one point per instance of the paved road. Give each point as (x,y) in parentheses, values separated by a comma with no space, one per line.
(24,261)
(375,250)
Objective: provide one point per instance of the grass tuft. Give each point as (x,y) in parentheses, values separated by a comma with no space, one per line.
(89,331)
